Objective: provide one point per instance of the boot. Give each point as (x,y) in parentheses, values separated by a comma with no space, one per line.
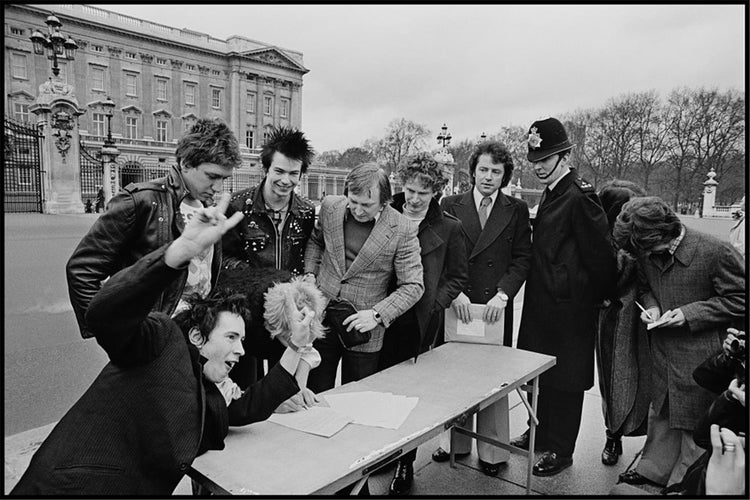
(403,477)
(612,451)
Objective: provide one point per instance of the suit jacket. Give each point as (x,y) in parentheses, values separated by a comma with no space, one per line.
(573,269)
(138,427)
(392,247)
(443,256)
(706,280)
(499,255)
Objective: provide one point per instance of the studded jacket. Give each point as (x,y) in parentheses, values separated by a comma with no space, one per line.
(254,240)
(141,218)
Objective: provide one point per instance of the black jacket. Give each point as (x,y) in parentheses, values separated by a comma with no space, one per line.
(150,412)
(254,240)
(140,219)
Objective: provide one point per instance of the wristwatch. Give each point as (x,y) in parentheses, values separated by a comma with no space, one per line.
(502,295)
(377,316)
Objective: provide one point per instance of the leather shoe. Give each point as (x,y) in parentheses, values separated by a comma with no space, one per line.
(551,463)
(402,479)
(488,468)
(612,451)
(522,441)
(632,477)
(441,455)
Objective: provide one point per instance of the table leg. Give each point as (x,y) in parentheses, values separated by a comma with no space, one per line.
(533,421)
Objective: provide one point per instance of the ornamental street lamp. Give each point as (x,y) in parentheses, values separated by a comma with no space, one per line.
(444,138)
(55,43)
(109,153)
(109,111)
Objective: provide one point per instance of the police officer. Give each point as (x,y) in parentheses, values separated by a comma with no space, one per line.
(572,269)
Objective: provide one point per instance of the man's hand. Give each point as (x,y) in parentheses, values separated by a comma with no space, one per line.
(300,325)
(363,321)
(203,230)
(673,318)
(651,315)
(737,391)
(725,473)
(494,309)
(295,403)
(460,306)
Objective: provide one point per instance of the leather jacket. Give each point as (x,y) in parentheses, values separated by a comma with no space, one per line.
(141,218)
(253,241)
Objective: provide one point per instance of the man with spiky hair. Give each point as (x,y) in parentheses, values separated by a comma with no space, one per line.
(147,215)
(274,231)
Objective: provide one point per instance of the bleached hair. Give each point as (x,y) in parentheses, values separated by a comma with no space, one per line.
(277,313)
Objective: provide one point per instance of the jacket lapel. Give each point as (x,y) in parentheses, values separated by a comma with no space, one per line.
(496,223)
(467,212)
(335,218)
(379,236)
(561,187)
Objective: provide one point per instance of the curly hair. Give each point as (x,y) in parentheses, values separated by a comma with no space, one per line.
(644,223)
(208,141)
(203,313)
(296,293)
(424,169)
(290,142)
(614,194)
(499,154)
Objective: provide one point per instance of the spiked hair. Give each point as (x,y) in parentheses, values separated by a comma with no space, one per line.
(290,142)
(204,312)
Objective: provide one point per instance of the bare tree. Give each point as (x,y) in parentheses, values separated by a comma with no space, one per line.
(403,137)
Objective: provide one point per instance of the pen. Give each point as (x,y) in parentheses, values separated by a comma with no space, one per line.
(644,310)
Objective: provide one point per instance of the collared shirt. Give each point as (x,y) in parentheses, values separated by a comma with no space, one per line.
(676,242)
(557,181)
(479,196)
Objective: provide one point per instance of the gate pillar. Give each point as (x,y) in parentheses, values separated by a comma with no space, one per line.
(57,112)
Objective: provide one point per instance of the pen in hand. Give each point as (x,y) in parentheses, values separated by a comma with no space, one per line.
(648,314)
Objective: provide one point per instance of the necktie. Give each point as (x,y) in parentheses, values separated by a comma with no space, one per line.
(484,210)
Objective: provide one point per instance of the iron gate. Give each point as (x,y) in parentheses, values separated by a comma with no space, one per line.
(92,177)
(22,178)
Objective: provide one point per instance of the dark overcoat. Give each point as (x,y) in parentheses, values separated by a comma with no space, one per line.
(572,270)
(499,255)
(706,280)
(150,411)
(443,255)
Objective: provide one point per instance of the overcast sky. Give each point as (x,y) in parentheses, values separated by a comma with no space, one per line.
(476,67)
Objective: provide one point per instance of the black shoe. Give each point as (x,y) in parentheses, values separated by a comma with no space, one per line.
(632,477)
(403,476)
(551,463)
(522,441)
(488,468)
(612,451)
(441,455)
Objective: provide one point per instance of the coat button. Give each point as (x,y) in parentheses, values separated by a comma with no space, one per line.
(161,219)
(183,466)
(486,291)
(471,262)
(489,263)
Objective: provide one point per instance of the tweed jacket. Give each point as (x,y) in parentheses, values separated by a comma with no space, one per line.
(138,427)
(256,241)
(706,280)
(140,219)
(573,268)
(391,248)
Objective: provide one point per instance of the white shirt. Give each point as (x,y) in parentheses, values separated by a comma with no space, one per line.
(479,196)
(557,181)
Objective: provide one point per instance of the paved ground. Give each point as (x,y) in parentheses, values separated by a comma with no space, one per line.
(48,366)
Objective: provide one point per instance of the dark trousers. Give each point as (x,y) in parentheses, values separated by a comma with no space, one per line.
(354,365)
(559,414)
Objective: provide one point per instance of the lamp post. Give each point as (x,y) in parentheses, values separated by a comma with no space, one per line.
(55,43)
(109,154)
(444,138)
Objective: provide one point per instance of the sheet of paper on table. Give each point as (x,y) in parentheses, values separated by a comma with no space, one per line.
(377,409)
(317,420)
(476,331)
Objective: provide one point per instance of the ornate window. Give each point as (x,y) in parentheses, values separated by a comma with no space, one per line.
(161,89)
(98,124)
(161,130)
(251,96)
(131,127)
(131,84)
(216,98)
(284,112)
(267,105)
(250,138)
(190,94)
(97,78)
(21,111)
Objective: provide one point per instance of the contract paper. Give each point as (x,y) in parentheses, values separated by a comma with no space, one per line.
(376,409)
(317,420)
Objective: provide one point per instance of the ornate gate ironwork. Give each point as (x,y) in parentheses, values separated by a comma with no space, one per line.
(22,177)
(92,177)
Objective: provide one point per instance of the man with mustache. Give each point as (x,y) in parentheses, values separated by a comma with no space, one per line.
(497,236)
(572,270)
(274,232)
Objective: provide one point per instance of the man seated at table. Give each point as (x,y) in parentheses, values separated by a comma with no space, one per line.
(165,396)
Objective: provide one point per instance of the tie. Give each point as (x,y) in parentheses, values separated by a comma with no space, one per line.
(484,210)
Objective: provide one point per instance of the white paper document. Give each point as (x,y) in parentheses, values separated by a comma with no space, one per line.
(317,420)
(376,409)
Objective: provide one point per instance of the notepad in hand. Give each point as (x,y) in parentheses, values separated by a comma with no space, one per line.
(476,331)
(657,323)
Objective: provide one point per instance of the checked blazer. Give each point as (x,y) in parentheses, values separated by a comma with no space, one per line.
(391,249)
